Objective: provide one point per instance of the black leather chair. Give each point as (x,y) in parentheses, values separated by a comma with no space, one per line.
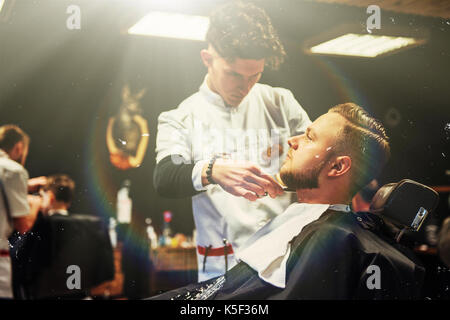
(42,258)
(404,205)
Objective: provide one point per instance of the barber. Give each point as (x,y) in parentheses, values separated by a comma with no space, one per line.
(223,144)
(18,209)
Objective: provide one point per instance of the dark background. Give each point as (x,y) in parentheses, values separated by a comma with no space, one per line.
(61,86)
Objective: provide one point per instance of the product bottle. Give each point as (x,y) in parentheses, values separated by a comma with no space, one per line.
(166,239)
(151,234)
(112,232)
(124,203)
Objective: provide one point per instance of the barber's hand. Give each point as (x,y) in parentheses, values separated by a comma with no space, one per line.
(244,179)
(35,203)
(35,183)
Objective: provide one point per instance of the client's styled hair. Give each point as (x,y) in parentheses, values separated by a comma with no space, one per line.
(364,139)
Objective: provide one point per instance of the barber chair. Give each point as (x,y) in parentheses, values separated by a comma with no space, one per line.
(404,205)
(59,249)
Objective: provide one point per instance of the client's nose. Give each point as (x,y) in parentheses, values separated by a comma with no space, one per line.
(293,142)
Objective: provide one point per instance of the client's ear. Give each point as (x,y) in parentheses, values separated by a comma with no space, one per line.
(207,57)
(340,166)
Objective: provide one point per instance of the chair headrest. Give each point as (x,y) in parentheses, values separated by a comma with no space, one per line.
(406,203)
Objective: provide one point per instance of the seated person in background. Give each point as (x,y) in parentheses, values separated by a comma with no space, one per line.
(58,240)
(57,195)
(318,248)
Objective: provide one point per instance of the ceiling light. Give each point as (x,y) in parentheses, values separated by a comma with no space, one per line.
(363,45)
(171,25)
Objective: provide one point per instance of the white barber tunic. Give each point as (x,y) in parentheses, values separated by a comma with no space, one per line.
(15,179)
(257,130)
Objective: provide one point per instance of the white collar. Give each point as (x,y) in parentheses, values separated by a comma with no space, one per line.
(216,99)
(63,212)
(340,207)
(3,154)
(267,251)
(210,95)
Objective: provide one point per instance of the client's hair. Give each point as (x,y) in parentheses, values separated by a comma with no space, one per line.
(364,139)
(62,186)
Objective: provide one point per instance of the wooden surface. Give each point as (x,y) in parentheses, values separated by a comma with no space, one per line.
(174,259)
(113,288)
(172,268)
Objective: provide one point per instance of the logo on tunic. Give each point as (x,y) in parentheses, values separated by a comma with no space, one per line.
(272,152)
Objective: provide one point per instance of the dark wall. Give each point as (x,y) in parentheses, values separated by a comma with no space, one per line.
(61,86)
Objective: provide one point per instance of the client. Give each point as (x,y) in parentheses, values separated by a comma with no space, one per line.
(318,248)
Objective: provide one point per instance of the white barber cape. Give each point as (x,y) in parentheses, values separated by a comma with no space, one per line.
(267,251)
(203,126)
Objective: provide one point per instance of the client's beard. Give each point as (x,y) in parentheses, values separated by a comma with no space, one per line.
(307,179)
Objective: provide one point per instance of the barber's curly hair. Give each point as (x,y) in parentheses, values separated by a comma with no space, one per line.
(364,138)
(243,30)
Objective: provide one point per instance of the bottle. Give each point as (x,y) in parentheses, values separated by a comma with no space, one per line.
(194,237)
(124,203)
(151,234)
(112,232)
(166,239)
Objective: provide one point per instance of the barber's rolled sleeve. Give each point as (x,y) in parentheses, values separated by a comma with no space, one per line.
(174,152)
(197,175)
(16,189)
(298,118)
(172,138)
